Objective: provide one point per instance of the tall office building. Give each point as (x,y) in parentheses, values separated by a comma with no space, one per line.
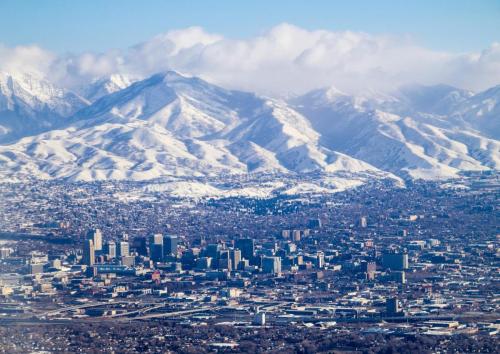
(235,256)
(271,265)
(88,253)
(140,246)
(368,267)
(395,261)
(223,260)
(247,247)
(156,247)
(110,249)
(225,263)
(399,276)
(123,249)
(96,236)
(212,250)
(259,319)
(363,222)
(156,252)
(314,223)
(392,306)
(157,239)
(320,259)
(170,243)
(204,263)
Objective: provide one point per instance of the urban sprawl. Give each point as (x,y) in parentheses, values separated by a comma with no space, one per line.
(119,267)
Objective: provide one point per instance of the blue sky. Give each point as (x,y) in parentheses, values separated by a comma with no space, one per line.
(97,25)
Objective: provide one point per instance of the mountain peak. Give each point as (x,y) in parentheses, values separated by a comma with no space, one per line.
(176,124)
(106,85)
(30,104)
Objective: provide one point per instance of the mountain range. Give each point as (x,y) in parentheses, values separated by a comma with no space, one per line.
(124,128)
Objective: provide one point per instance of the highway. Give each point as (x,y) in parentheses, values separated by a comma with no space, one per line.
(176,313)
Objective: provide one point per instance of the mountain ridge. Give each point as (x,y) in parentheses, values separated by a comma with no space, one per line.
(174,125)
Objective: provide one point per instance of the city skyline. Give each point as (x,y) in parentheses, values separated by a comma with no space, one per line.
(249,176)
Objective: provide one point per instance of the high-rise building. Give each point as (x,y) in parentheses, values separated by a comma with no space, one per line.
(140,246)
(271,247)
(156,252)
(399,276)
(395,261)
(123,249)
(128,261)
(259,319)
(363,222)
(225,263)
(96,236)
(157,239)
(88,253)
(314,223)
(212,250)
(170,243)
(156,247)
(299,260)
(368,267)
(204,263)
(320,259)
(392,306)
(271,265)
(247,247)
(36,268)
(235,256)
(110,249)
(296,235)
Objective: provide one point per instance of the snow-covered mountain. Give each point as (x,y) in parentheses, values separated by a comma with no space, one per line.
(105,85)
(29,105)
(482,112)
(407,133)
(171,125)
(174,125)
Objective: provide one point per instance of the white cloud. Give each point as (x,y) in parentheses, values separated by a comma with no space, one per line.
(21,59)
(285,59)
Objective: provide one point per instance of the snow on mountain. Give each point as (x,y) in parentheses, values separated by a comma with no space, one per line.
(188,107)
(393,134)
(174,125)
(437,99)
(105,85)
(171,125)
(29,105)
(482,112)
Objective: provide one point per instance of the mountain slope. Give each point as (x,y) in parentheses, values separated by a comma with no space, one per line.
(171,125)
(482,112)
(105,85)
(29,105)
(391,134)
